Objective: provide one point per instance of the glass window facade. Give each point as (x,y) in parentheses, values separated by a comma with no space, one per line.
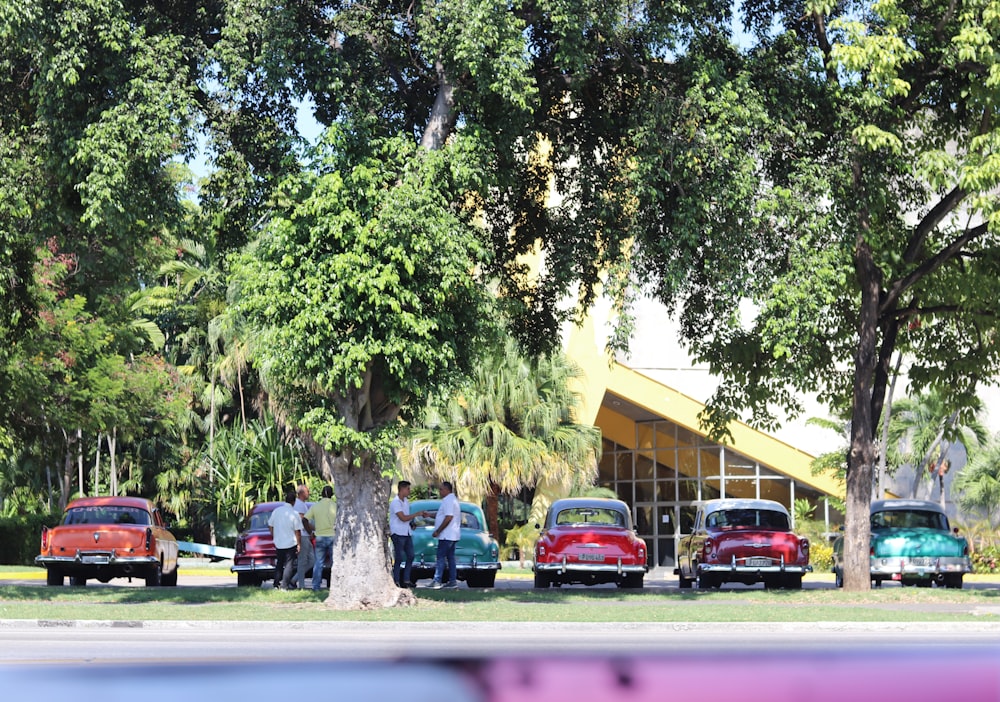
(672,469)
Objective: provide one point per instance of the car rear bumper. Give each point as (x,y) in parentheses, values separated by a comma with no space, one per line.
(736,567)
(567,566)
(919,567)
(258,566)
(95,559)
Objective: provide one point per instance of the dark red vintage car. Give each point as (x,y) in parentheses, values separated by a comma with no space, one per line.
(589,540)
(109,537)
(255,553)
(744,541)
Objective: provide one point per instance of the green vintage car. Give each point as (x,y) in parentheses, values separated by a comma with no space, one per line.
(477,555)
(911,543)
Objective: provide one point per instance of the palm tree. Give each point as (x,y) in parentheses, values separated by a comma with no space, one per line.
(978,485)
(510,427)
(923,430)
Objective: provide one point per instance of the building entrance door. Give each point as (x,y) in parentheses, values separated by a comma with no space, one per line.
(656,524)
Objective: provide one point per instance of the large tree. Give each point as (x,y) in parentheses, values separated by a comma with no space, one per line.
(510,426)
(857,141)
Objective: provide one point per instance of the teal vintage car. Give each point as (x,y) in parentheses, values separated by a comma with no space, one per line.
(477,555)
(911,543)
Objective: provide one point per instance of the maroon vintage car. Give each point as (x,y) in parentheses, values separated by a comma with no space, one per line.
(255,553)
(109,537)
(744,541)
(589,540)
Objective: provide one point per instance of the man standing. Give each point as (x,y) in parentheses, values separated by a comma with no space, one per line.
(306,556)
(401,532)
(447,530)
(285,526)
(322,517)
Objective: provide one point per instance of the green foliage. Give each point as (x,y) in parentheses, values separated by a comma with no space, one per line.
(20,537)
(977,487)
(370,275)
(986,560)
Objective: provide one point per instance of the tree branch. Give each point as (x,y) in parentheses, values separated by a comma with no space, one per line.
(442,117)
(929,223)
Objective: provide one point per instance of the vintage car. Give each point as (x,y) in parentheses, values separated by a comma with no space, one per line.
(744,541)
(255,555)
(912,543)
(109,537)
(477,554)
(589,540)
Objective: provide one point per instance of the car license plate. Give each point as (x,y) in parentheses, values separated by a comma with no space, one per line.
(592,557)
(758,562)
(922,561)
(96,560)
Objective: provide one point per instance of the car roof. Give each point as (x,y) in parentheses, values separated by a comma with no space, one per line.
(742,503)
(601,502)
(900,504)
(266,506)
(136,502)
(418,505)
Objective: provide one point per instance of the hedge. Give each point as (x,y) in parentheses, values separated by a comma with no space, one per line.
(20,537)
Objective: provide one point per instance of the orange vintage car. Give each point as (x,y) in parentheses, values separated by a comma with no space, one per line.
(109,537)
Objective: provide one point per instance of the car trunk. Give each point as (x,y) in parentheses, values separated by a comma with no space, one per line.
(68,539)
(591,543)
(914,543)
(742,544)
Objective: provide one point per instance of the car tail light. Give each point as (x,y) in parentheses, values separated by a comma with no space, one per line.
(709,546)
(149,538)
(805,547)
(45,539)
(541,550)
(871,551)
(241,545)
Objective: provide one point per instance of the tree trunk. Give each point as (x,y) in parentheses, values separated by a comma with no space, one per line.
(67,476)
(861,458)
(112,449)
(361,573)
(96,481)
(79,460)
(493,510)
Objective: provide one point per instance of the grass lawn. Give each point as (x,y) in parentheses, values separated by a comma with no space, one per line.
(889,604)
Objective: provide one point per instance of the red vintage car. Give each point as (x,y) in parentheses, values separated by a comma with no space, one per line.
(109,537)
(255,553)
(590,541)
(744,541)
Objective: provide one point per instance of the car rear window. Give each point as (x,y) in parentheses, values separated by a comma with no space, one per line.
(909,519)
(258,520)
(107,514)
(590,515)
(748,519)
(469,521)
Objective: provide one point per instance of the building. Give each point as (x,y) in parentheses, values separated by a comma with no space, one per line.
(657,460)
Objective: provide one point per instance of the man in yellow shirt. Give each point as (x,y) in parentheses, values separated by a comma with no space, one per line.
(322,517)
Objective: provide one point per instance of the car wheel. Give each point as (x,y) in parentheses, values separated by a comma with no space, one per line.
(154,578)
(632,581)
(953,581)
(682,582)
(792,582)
(707,581)
(487,579)
(170,580)
(54,577)
(838,578)
(542,581)
(77,581)
(246,580)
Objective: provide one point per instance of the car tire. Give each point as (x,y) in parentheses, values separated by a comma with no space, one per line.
(77,581)
(708,581)
(154,577)
(169,580)
(953,581)
(632,581)
(487,579)
(838,578)
(792,582)
(54,577)
(246,580)
(542,581)
(682,582)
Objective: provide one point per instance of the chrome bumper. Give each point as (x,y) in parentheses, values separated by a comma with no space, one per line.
(919,566)
(254,566)
(566,566)
(93,558)
(736,566)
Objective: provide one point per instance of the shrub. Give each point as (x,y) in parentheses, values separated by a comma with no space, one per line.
(986,560)
(20,537)
(821,556)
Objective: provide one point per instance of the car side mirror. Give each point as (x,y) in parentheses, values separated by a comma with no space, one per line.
(955,530)
(538,526)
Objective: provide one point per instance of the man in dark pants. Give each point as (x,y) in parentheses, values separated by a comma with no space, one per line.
(401,532)
(285,526)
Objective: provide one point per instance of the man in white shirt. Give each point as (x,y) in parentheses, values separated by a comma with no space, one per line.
(307,556)
(285,526)
(447,530)
(401,533)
